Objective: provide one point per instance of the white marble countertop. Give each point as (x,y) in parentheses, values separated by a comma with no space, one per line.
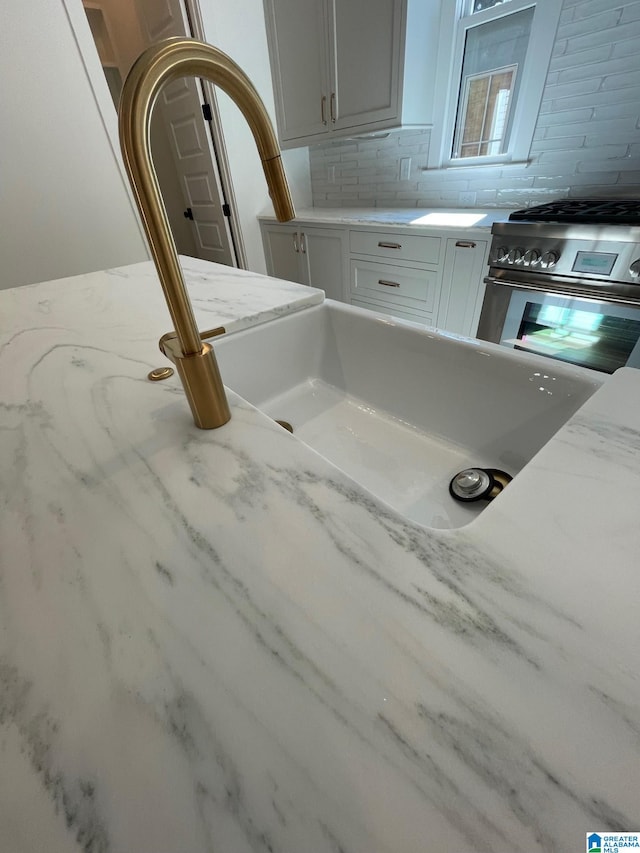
(222,296)
(217,641)
(451,219)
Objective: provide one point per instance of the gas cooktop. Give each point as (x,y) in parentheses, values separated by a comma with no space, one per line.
(621,211)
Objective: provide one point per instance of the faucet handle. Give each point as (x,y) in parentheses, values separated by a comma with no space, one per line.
(170,346)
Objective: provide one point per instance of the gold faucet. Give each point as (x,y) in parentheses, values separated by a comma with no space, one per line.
(157,66)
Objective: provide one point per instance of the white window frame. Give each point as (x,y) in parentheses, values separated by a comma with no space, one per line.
(453,27)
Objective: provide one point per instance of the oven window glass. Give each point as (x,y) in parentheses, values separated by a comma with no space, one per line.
(588,338)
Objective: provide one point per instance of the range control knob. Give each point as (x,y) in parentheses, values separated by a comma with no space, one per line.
(502,253)
(634,269)
(550,259)
(531,256)
(515,256)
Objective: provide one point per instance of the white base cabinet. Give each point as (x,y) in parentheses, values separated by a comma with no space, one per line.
(401,285)
(282,252)
(428,276)
(463,287)
(391,310)
(313,256)
(397,271)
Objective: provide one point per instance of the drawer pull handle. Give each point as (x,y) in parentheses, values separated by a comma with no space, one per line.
(323,109)
(384,245)
(388,283)
(465,244)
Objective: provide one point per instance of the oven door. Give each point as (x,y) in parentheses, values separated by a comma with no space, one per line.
(599,334)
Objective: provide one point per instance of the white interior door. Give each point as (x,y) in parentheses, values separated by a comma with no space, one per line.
(180,108)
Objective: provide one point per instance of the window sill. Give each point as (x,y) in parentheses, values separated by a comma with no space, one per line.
(495,164)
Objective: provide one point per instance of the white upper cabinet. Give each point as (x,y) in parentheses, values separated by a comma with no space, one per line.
(297,31)
(364,48)
(343,67)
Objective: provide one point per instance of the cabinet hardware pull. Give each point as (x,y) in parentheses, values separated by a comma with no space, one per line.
(388,283)
(295,242)
(465,244)
(303,243)
(389,245)
(334,114)
(323,109)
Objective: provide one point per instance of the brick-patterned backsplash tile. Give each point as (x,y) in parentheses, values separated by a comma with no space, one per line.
(594,99)
(602,36)
(556,144)
(617,109)
(566,118)
(625,48)
(619,128)
(567,61)
(595,69)
(588,8)
(593,24)
(631,12)
(614,82)
(570,90)
(565,161)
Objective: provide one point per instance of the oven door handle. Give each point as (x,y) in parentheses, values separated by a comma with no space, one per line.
(558,290)
(521,285)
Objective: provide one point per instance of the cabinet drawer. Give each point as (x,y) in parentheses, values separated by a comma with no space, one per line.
(396,247)
(397,284)
(394,311)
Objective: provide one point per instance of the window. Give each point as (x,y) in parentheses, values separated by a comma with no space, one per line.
(500,51)
(482,113)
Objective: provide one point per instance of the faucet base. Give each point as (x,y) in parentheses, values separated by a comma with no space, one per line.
(203,386)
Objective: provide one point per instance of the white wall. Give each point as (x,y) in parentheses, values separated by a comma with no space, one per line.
(237,27)
(64,206)
(586,142)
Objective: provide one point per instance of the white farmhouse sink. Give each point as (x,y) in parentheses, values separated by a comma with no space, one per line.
(399,408)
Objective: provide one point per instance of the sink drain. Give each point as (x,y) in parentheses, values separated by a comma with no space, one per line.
(476,484)
(285,425)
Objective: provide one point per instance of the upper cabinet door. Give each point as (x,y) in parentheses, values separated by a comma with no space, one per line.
(297,33)
(344,67)
(366,47)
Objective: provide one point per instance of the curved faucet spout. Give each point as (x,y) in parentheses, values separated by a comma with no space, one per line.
(157,66)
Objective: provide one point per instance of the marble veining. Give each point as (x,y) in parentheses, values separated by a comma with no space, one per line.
(216,641)
(235,299)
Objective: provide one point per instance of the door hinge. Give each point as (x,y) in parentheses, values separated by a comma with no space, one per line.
(188,213)
(206,112)
(226,210)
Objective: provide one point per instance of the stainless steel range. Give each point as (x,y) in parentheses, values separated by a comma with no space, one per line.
(564,281)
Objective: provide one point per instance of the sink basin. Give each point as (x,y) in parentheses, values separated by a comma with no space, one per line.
(401,408)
